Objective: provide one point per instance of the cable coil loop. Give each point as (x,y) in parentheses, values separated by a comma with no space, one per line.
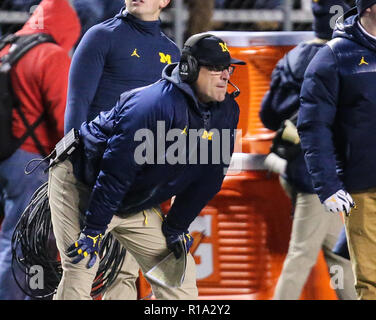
(34,245)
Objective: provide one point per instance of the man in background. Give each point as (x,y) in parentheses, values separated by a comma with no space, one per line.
(337,127)
(120,54)
(312,229)
(106,186)
(39,80)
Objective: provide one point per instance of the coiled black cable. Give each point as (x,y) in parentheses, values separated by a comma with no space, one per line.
(33,244)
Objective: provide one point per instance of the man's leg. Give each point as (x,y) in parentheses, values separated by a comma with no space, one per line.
(68,197)
(17,190)
(309,228)
(142,236)
(124,286)
(339,268)
(361,235)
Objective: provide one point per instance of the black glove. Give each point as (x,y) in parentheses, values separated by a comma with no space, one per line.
(87,244)
(176,240)
(286,145)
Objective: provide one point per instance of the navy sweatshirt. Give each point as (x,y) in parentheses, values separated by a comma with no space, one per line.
(114,56)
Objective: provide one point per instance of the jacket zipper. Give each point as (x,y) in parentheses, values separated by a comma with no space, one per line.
(206,118)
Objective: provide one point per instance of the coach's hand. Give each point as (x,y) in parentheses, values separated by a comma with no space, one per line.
(87,245)
(176,240)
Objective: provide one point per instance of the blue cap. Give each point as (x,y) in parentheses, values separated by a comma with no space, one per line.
(322,16)
(213,51)
(362,5)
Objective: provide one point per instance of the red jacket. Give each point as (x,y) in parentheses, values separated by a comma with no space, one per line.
(40,77)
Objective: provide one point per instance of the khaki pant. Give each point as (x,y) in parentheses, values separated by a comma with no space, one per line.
(139,233)
(124,286)
(361,238)
(313,229)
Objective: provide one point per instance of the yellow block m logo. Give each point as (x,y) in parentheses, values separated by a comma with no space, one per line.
(165,58)
(223,46)
(207,135)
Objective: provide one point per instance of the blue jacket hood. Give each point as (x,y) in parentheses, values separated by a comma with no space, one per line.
(171,74)
(349,29)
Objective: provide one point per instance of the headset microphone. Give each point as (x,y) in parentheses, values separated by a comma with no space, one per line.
(236,93)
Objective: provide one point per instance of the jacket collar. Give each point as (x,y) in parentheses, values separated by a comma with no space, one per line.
(153,27)
(350,29)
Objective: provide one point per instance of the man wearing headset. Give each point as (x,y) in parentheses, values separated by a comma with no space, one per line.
(122,53)
(336,124)
(118,190)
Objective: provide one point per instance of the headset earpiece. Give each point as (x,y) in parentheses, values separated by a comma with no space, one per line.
(188,68)
(188,65)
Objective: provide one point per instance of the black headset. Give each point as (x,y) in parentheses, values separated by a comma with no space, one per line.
(188,65)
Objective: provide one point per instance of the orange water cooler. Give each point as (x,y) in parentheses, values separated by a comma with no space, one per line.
(242,235)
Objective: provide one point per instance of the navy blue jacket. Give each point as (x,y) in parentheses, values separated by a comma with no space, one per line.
(114,56)
(337,117)
(112,143)
(282,101)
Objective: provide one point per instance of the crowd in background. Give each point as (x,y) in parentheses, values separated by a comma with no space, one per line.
(91,12)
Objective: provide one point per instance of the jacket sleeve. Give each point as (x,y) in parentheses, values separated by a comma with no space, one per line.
(319,99)
(86,70)
(54,83)
(282,99)
(118,167)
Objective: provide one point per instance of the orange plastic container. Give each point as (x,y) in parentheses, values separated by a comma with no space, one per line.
(248,239)
(261,51)
(246,242)
(242,236)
